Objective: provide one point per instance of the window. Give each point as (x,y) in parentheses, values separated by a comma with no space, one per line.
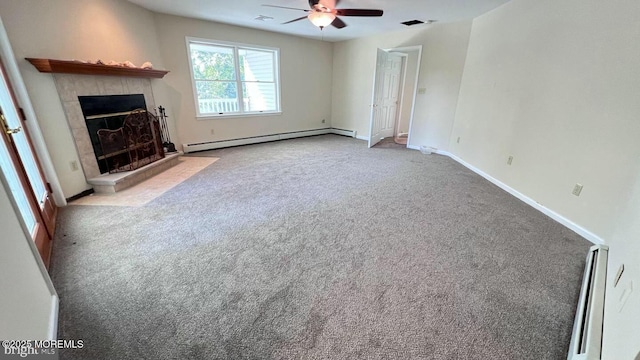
(233,79)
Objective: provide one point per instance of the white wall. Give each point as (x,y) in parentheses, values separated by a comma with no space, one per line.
(71,29)
(444,49)
(556,85)
(621,337)
(26,301)
(305,76)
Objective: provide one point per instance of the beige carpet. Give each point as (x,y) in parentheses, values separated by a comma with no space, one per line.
(319,248)
(144,192)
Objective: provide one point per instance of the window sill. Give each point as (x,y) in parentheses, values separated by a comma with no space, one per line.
(222,116)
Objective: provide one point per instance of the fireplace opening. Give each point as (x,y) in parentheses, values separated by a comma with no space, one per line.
(124,136)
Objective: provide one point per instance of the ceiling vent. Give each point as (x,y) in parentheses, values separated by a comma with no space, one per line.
(416,22)
(263,18)
(412,22)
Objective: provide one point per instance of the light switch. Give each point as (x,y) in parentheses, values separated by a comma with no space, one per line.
(577,190)
(422,91)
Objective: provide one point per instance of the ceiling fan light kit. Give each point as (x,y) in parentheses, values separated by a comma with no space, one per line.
(321,19)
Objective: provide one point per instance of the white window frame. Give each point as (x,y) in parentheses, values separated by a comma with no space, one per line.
(236,46)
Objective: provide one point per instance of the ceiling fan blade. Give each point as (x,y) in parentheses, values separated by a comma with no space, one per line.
(358,12)
(284,7)
(294,20)
(338,23)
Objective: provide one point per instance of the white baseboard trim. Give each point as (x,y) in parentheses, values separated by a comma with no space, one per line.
(53,318)
(360,137)
(210,145)
(529,201)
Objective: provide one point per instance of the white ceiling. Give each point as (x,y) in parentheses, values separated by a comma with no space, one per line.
(244,12)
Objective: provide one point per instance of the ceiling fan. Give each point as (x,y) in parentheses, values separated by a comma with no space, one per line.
(322,14)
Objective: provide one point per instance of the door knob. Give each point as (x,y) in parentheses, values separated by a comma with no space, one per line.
(13,131)
(7,129)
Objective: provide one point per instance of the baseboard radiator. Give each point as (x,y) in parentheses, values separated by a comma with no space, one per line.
(586,341)
(210,145)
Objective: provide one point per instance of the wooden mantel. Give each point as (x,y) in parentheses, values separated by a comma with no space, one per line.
(77,67)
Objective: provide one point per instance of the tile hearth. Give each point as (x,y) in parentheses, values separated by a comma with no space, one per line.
(111,183)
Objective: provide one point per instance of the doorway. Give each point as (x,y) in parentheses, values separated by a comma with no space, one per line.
(394,93)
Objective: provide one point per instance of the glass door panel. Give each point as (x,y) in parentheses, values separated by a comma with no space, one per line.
(11,174)
(19,137)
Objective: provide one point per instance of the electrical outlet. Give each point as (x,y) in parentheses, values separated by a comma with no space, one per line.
(74,165)
(577,190)
(458,141)
(213,132)
(509,160)
(323,121)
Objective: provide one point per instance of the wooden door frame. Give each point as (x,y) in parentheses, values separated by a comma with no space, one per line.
(41,237)
(46,216)
(51,212)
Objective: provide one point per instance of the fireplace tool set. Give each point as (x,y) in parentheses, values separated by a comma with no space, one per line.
(164,129)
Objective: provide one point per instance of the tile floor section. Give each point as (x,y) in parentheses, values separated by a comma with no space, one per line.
(144,192)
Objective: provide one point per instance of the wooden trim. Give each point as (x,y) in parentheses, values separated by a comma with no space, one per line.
(45,216)
(43,243)
(76,67)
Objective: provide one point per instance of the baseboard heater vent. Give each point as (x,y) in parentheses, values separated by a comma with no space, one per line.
(210,145)
(586,341)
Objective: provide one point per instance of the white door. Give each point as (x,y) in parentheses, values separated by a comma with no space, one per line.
(390,94)
(386,93)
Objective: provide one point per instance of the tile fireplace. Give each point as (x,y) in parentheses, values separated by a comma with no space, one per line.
(74,87)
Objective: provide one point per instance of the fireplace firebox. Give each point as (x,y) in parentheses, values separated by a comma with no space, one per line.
(124,136)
